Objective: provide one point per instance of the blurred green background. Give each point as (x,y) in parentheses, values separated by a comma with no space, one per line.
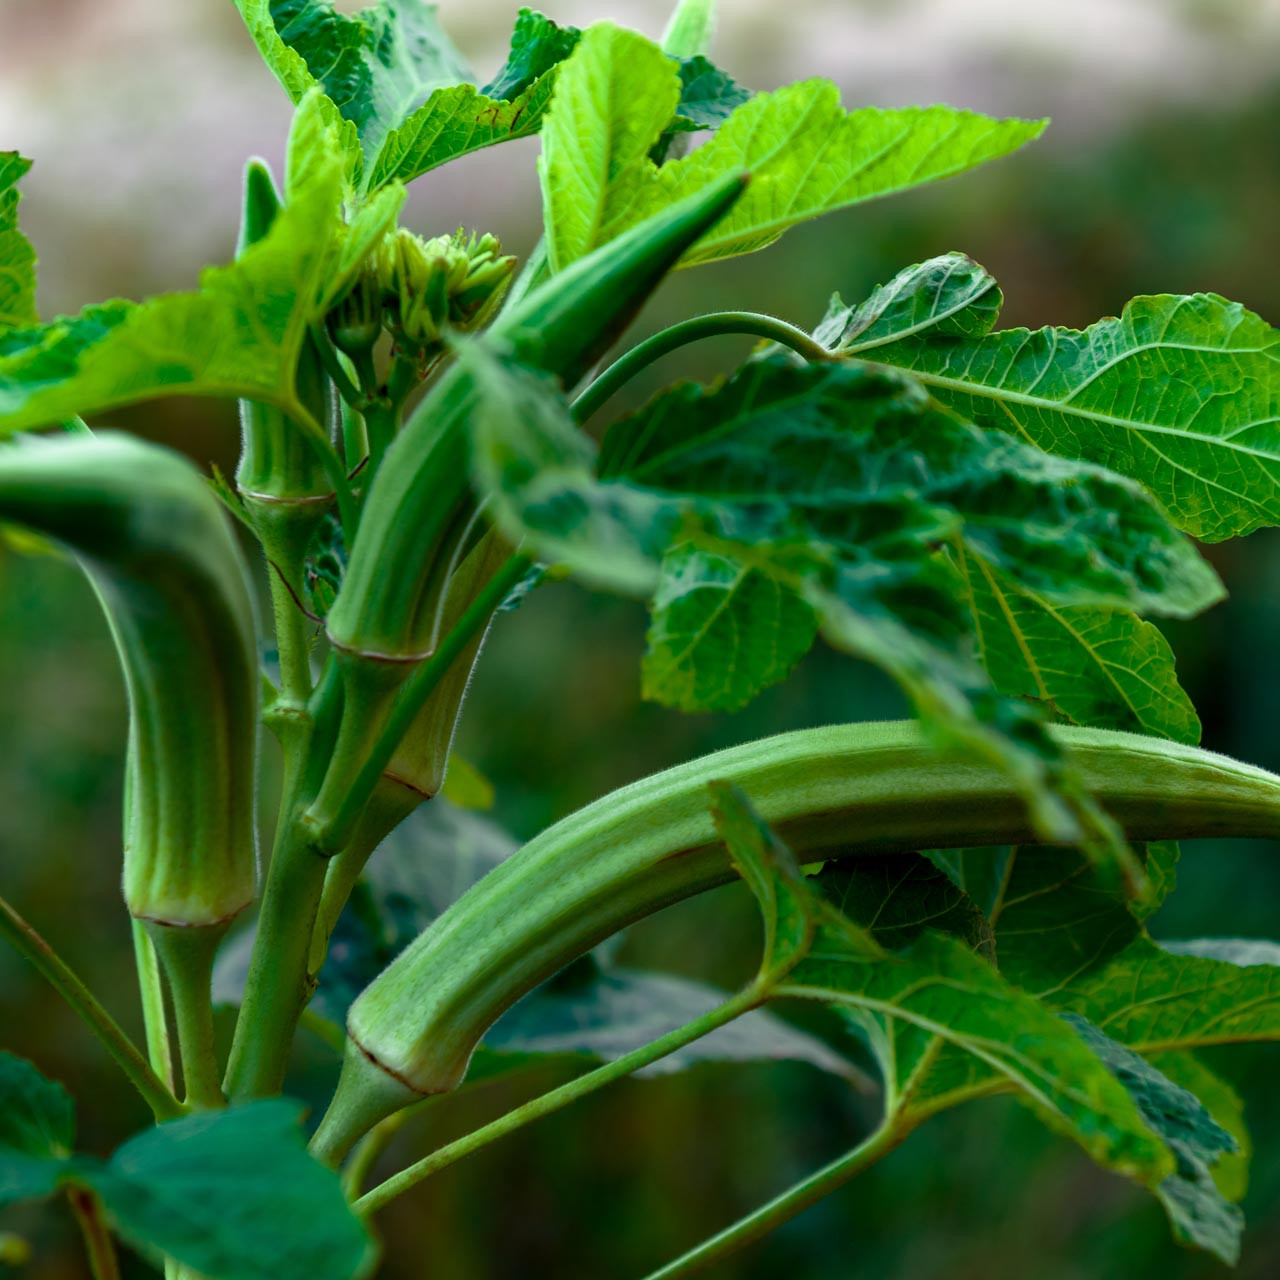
(1162,173)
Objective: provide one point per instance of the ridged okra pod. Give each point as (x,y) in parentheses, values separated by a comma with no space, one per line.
(157,546)
(420,512)
(830,792)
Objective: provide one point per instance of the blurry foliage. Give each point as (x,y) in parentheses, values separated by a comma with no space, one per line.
(637,1174)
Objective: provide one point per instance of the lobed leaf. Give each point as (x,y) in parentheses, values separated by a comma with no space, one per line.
(239,335)
(806,155)
(1181,393)
(17,257)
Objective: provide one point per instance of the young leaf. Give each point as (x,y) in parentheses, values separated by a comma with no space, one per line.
(1198,1212)
(720,632)
(17,257)
(807,156)
(234,1194)
(1180,393)
(1090,666)
(37,1131)
(708,97)
(238,335)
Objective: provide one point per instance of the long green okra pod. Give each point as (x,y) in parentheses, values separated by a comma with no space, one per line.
(830,792)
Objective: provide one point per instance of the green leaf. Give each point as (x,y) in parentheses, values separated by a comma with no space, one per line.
(17,257)
(690,28)
(806,155)
(839,482)
(1224,1104)
(708,97)
(938,986)
(465,786)
(234,1194)
(1100,667)
(1181,392)
(1198,1213)
(537,46)
(376,66)
(37,1131)
(239,335)
(720,632)
(614,96)
(774,877)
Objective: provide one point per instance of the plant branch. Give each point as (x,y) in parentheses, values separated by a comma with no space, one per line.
(101,1248)
(746,1000)
(151,991)
(51,966)
(186,955)
(786,1206)
(716,324)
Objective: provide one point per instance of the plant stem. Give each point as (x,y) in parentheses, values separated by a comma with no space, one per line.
(746,1000)
(368,1150)
(786,1206)
(151,990)
(716,324)
(334,829)
(186,955)
(98,1243)
(51,966)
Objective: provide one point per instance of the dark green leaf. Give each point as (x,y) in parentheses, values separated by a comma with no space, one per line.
(537,45)
(1198,1213)
(806,155)
(17,257)
(1180,393)
(37,1131)
(720,632)
(234,1194)
(325,565)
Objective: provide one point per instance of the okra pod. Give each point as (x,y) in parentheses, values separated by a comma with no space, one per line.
(150,534)
(830,792)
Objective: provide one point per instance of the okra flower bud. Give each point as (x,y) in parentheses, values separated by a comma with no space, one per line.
(152,537)
(830,792)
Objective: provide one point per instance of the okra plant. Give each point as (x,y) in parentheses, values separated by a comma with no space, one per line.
(987,515)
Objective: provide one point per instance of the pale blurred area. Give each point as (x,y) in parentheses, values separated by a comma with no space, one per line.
(139,113)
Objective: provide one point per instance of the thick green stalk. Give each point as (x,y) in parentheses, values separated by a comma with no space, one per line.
(783,1208)
(151,992)
(51,966)
(717,324)
(750,998)
(829,792)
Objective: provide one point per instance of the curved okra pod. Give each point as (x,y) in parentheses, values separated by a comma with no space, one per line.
(830,792)
(154,541)
(420,515)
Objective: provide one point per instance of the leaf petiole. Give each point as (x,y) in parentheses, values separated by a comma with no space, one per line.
(713,325)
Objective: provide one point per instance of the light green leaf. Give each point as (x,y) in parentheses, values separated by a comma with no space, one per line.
(37,1131)
(1180,393)
(465,786)
(455,121)
(1101,667)
(614,96)
(17,257)
(720,632)
(234,1194)
(805,154)
(1198,1213)
(772,874)
(376,66)
(239,335)
(690,28)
